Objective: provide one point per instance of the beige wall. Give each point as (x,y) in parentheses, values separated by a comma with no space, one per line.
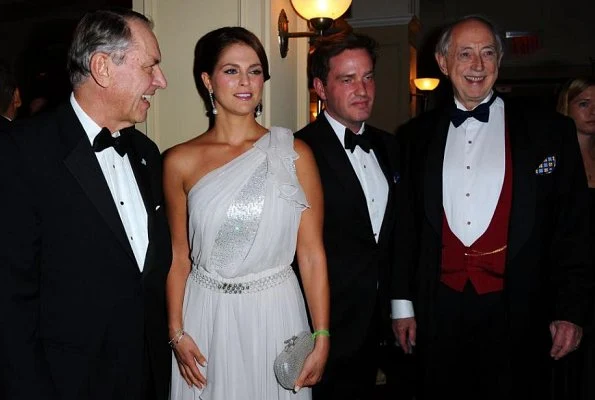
(288,84)
(391,107)
(177,113)
(383,9)
(390,23)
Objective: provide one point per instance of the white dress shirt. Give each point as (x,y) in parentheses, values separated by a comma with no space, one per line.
(375,187)
(123,187)
(370,176)
(473,173)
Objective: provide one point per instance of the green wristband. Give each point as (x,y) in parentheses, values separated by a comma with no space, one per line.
(320,332)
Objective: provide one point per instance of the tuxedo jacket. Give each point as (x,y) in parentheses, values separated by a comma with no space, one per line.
(4,123)
(359,269)
(79,316)
(547,274)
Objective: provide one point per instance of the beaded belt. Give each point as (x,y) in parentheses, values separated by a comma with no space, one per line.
(231,287)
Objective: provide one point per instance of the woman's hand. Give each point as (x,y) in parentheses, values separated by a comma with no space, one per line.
(189,356)
(314,364)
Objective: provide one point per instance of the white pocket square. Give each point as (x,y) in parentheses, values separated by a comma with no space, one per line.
(158,207)
(547,166)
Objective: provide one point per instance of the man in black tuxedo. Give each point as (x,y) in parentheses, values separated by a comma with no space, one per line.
(359,173)
(499,232)
(84,244)
(10,95)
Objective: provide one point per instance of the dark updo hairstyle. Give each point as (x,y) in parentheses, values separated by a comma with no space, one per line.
(208,51)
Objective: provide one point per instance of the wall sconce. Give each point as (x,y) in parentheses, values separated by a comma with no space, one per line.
(319,13)
(426,85)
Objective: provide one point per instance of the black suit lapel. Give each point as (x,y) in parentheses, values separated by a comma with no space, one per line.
(87,172)
(524,162)
(83,165)
(381,153)
(4,123)
(384,160)
(433,173)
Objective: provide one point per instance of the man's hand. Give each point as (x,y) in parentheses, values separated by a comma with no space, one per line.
(405,330)
(566,337)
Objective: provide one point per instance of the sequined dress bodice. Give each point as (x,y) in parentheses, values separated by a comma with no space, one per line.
(244,216)
(240,225)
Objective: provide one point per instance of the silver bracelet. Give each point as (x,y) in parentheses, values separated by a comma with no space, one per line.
(176,339)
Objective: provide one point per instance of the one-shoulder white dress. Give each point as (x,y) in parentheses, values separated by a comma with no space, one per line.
(242,298)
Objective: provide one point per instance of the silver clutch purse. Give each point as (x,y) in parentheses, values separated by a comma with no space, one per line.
(289,363)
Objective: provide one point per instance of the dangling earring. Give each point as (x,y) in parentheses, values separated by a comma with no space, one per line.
(214,109)
(258,110)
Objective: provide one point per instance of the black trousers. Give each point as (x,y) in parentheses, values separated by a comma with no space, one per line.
(148,384)
(474,355)
(353,377)
(349,378)
(466,359)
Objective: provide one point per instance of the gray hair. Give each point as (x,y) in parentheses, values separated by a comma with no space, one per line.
(105,31)
(446,35)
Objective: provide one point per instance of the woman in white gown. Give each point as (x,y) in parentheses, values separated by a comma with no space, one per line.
(241,200)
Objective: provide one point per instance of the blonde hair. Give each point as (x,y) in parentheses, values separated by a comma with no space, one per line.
(570,90)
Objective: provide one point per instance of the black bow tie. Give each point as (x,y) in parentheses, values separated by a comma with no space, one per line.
(352,140)
(480,113)
(105,139)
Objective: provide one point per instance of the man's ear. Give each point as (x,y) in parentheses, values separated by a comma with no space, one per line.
(319,88)
(101,69)
(16,98)
(441,60)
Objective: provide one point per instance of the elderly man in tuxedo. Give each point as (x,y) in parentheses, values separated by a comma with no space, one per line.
(359,171)
(84,244)
(498,232)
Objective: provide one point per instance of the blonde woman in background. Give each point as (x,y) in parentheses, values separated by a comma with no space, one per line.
(577,101)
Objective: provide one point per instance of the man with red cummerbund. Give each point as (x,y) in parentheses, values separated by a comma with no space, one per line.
(495,238)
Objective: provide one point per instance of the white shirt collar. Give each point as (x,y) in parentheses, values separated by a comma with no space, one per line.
(460,105)
(339,128)
(91,128)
